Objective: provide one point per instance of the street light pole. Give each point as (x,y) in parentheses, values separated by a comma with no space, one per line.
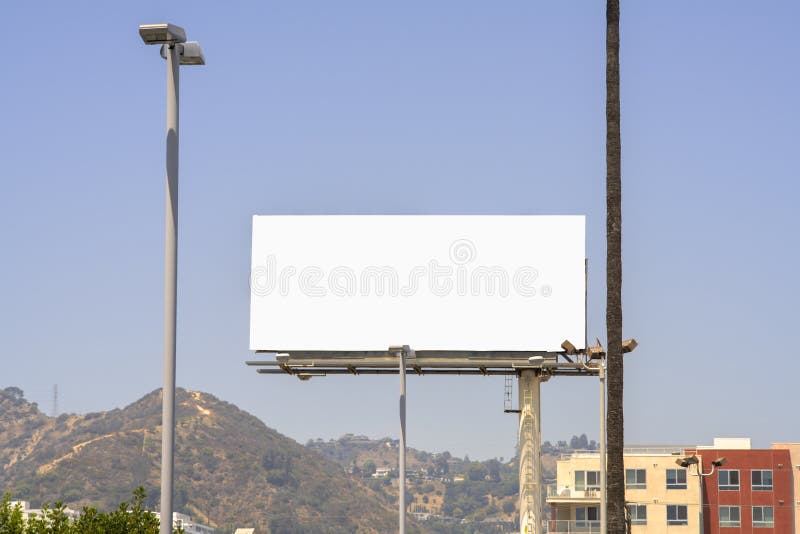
(176,51)
(170,292)
(702,527)
(695,461)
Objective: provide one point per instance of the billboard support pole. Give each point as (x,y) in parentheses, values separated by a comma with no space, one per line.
(530,463)
(402,352)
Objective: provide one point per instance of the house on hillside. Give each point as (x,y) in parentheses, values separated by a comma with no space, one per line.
(382,472)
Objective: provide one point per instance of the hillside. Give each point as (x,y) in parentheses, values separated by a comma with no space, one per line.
(231,469)
(462,494)
(450,494)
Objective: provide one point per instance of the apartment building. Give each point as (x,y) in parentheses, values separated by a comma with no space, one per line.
(751,493)
(754,491)
(662,497)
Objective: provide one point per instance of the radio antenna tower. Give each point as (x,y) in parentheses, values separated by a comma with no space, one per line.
(55,401)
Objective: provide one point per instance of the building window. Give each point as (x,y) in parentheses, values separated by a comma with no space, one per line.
(761,479)
(635,479)
(763,517)
(587,480)
(677,514)
(638,514)
(587,516)
(729,480)
(729,516)
(676,478)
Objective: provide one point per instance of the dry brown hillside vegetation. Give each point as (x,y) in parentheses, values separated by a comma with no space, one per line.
(231,469)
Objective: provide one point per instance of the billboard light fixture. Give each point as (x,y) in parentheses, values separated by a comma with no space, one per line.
(569,347)
(629,345)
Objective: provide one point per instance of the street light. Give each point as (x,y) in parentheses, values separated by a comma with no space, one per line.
(686,462)
(695,461)
(190,53)
(161,33)
(176,51)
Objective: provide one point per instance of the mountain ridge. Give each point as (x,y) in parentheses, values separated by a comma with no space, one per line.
(231,469)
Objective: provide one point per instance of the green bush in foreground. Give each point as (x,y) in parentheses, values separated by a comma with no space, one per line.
(128,518)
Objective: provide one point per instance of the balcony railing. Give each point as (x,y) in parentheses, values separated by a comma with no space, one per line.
(569,493)
(578,527)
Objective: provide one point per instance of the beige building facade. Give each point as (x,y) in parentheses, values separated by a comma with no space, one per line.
(663,497)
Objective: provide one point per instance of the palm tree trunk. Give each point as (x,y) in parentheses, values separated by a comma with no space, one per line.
(615,428)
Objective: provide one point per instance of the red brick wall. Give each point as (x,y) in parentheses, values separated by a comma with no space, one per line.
(780,498)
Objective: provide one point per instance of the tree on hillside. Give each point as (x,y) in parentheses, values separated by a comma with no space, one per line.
(615,503)
(442,467)
(369,468)
(579,442)
(477,471)
(493,468)
(14,393)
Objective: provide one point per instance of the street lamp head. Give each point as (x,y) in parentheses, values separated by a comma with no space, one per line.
(161,33)
(719,462)
(192,54)
(686,462)
(188,53)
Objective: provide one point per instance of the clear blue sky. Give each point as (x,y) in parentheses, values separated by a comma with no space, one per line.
(410,107)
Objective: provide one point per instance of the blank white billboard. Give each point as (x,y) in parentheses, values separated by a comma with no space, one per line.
(451,283)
